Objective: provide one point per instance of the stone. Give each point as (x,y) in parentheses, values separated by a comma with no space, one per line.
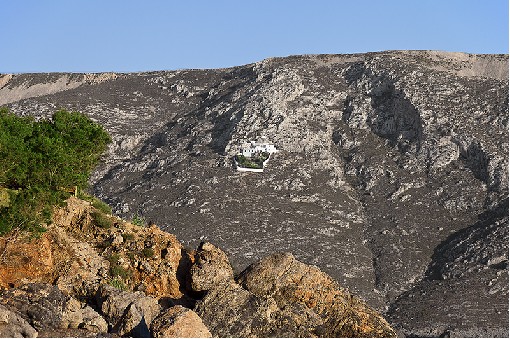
(12,325)
(48,309)
(290,282)
(128,313)
(211,268)
(179,322)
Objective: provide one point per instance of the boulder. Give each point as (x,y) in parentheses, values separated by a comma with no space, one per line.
(128,313)
(291,283)
(231,311)
(48,309)
(210,269)
(12,325)
(179,322)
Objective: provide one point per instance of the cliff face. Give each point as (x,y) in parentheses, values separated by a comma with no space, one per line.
(385,160)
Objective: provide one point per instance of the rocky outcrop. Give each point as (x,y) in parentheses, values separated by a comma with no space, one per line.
(12,325)
(179,322)
(113,281)
(279,297)
(211,268)
(48,311)
(129,313)
(290,282)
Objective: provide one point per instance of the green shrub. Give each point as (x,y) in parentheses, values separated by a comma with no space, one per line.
(148,252)
(138,221)
(256,161)
(116,270)
(101,205)
(102,220)
(118,284)
(128,236)
(42,163)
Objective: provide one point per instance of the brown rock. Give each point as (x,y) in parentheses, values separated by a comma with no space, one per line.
(291,282)
(179,322)
(23,259)
(210,269)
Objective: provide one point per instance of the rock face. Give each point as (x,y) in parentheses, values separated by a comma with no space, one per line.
(279,297)
(47,310)
(12,325)
(383,158)
(103,281)
(179,322)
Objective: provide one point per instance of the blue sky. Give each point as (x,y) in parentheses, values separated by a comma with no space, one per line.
(128,35)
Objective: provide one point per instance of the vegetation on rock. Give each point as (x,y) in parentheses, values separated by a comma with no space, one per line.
(256,161)
(42,162)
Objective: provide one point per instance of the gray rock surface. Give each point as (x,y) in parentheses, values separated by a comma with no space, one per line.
(12,325)
(45,308)
(383,156)
(129,313)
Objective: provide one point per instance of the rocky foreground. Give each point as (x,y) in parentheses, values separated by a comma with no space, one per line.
(86,277)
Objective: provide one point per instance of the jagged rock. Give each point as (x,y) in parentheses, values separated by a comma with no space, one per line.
(210,269)
(12,325)
(47,309)
(77,315)
(290,282)
(231,311)
(283,297)
(128,313)
(179,322)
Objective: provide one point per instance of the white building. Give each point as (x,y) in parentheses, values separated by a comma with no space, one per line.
(254,147)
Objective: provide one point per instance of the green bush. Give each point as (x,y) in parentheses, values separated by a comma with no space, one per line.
(101,205)
(128,236)
(42,163)
(148,252)
(116,270)
(102,220)
(138,221)
(256,161)
(118,284)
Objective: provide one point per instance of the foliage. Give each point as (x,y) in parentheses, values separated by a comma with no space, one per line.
(256,161)
(101,206)
(128,236)
(138,221)
(96,203)
(42,163)
(116,270)
(148,252)
(118,284)
(102,220)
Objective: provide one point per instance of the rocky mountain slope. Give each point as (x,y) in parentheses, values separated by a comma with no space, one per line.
(391,176)
(85,277)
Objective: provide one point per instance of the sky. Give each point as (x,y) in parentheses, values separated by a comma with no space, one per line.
(145,35)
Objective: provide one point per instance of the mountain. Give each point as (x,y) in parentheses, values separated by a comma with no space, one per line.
(391,175)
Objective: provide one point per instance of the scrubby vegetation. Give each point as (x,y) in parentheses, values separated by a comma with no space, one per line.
(256,161)
(42,163)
